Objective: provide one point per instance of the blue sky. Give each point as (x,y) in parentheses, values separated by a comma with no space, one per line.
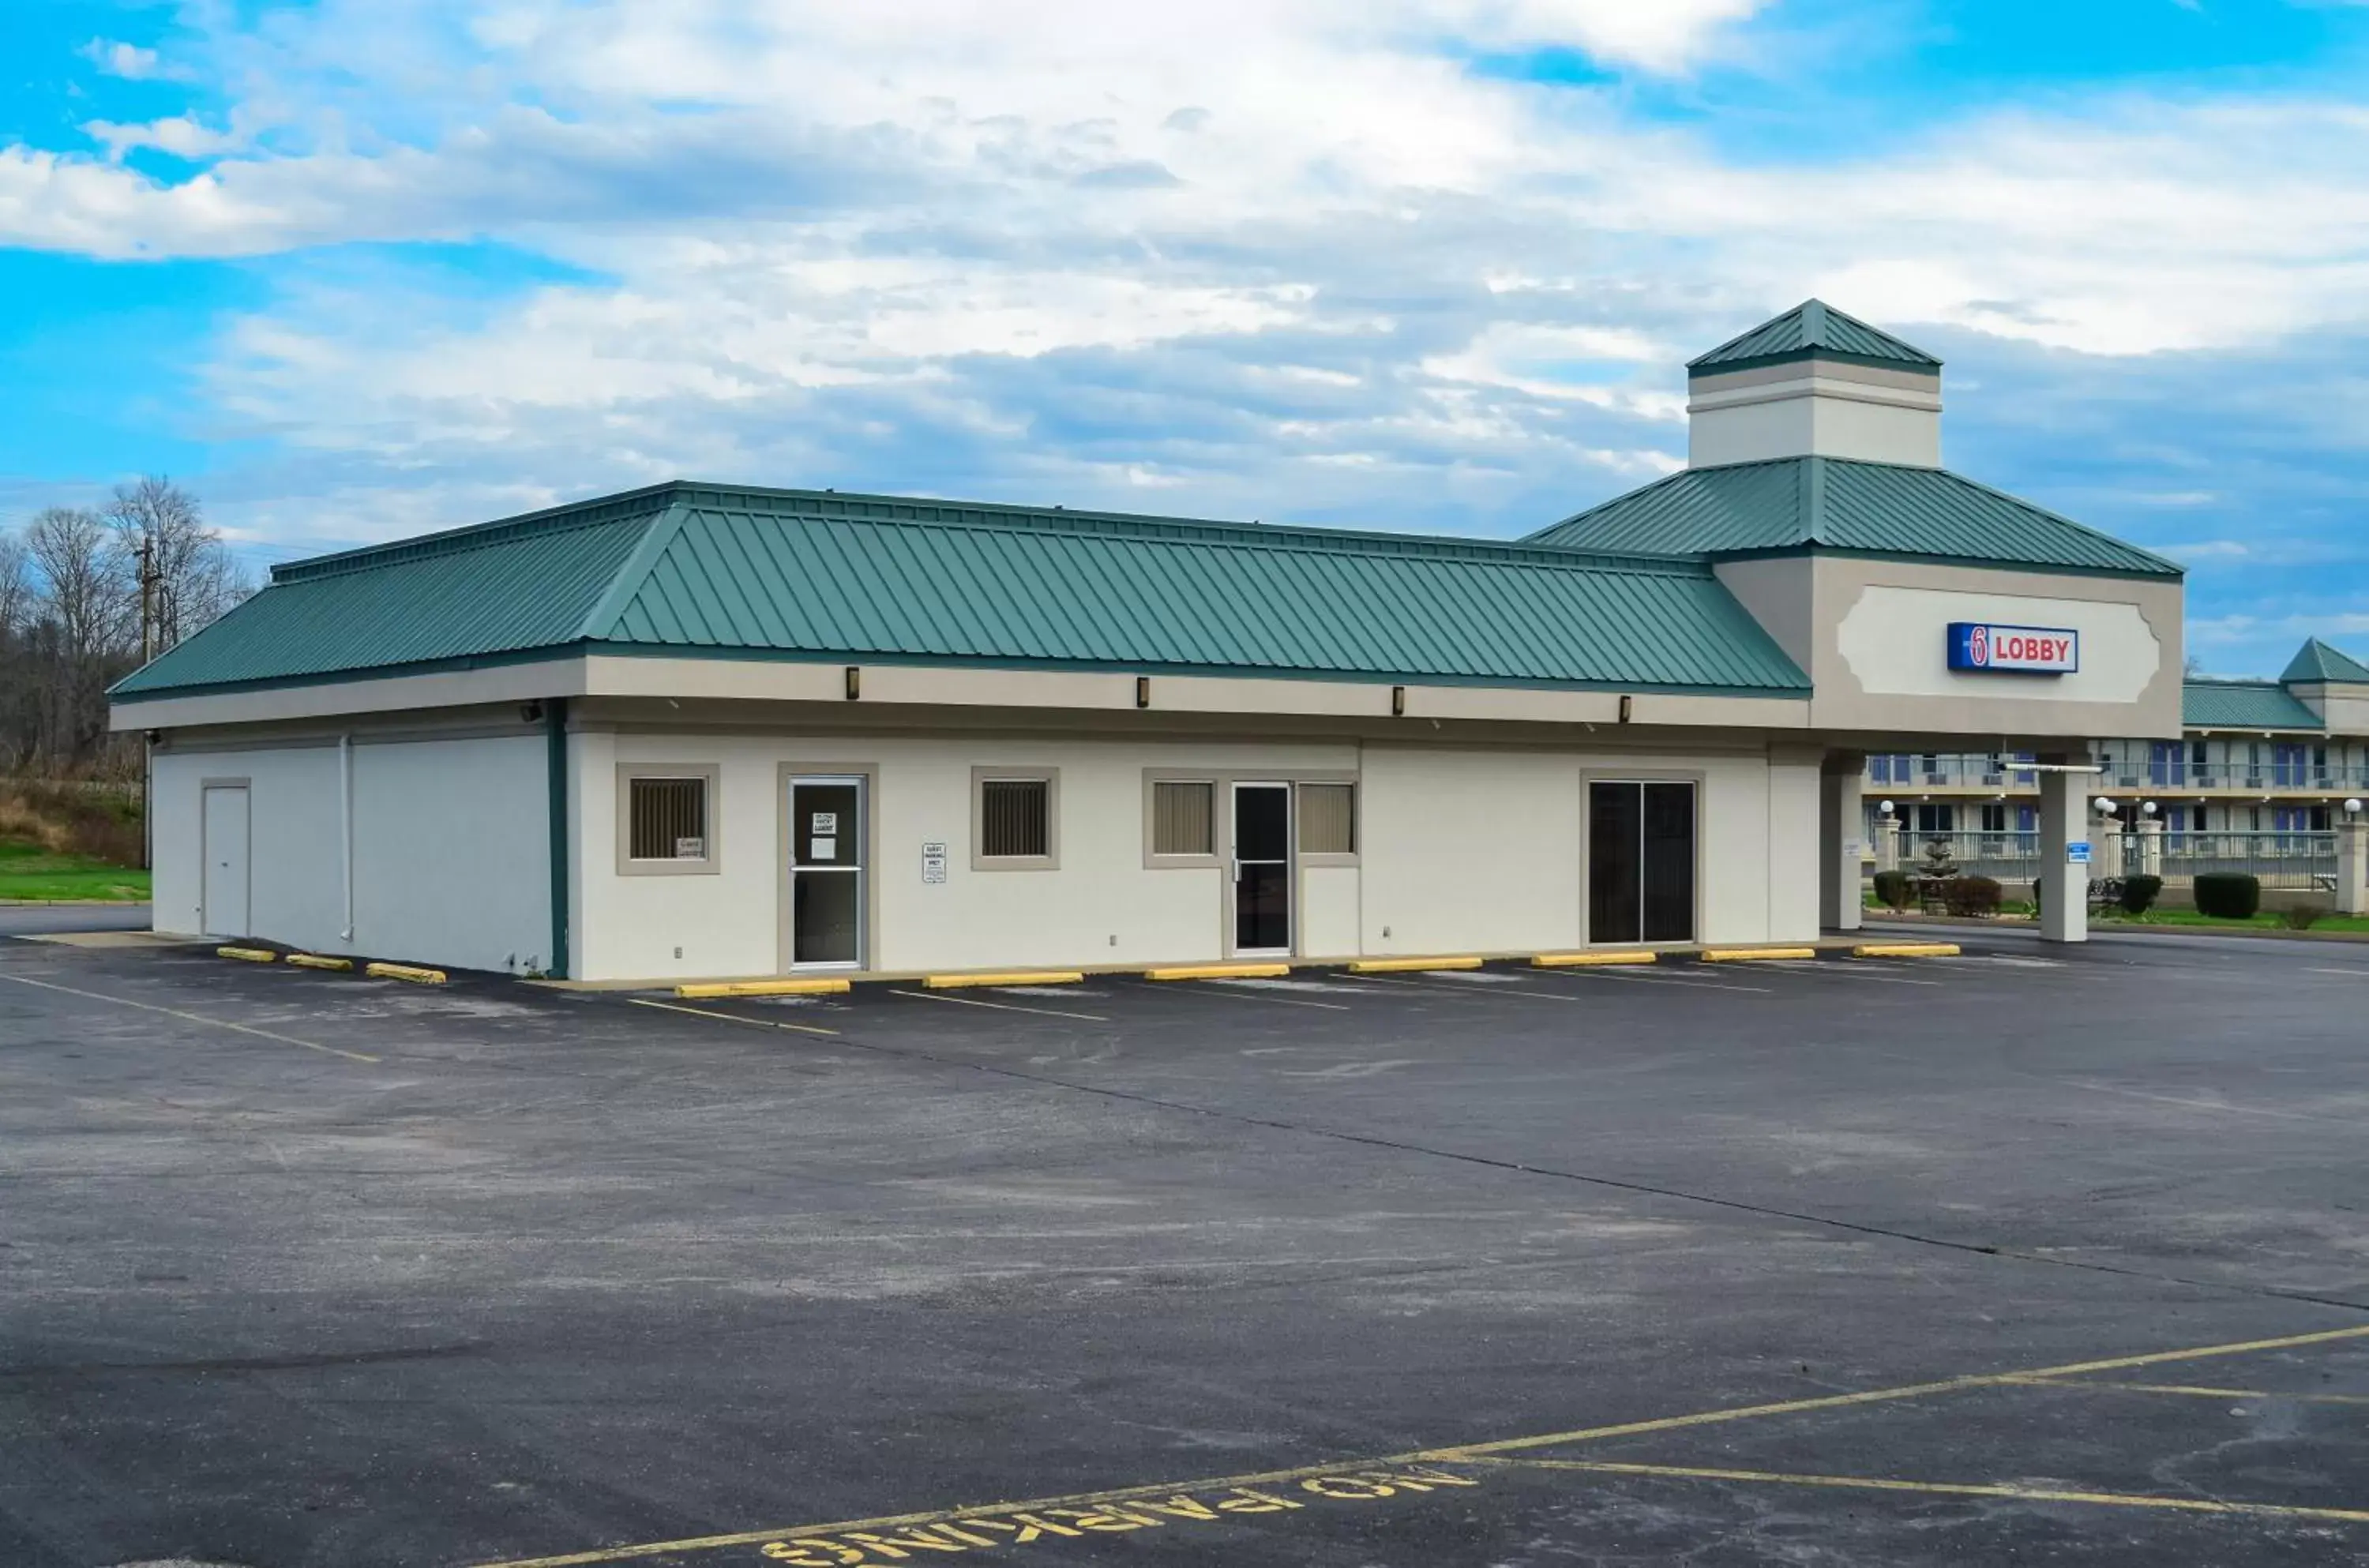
(354,271)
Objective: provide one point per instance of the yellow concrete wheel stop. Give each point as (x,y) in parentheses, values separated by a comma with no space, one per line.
(248,955)
(1219,972)
(1412,966)
(1906,950)
(1750,955)
(319,961)
(1590,959)
(810,985)
(1006,978)
(411,972)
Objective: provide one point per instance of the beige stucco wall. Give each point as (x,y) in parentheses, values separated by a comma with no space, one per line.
(1460,849)
(1826,408)
(1874,636)
(1102,905)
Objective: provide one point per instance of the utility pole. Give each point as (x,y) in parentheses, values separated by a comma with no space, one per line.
(148,596)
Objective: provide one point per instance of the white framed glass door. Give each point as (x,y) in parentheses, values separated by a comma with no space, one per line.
(1262,862)
(828,895)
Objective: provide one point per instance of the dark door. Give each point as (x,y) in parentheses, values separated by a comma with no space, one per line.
(1669,863)
(1615,884)
(1262,868)
(1641,862)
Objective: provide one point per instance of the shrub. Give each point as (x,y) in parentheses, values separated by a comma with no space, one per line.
(2139,894)
(1972,896)
(1892,889)
(2229,894)
(2302,917)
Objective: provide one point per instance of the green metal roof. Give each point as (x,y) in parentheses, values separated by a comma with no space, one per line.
(1811,327)
(736,572)
(1794,503)
(2243,704)
(2317,661)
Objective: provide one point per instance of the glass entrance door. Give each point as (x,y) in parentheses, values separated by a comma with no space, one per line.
(1641,862)
(827,891)
(1263,869)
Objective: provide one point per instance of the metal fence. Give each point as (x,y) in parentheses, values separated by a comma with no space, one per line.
(2280,859)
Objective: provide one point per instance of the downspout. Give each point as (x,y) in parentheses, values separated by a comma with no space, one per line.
(346,828)
(555,724)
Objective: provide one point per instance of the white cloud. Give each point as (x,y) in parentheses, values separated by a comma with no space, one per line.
(179,134)
(133,63)
(1271,255)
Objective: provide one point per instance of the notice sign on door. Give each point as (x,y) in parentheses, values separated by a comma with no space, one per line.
(825,825)
(933,862)
(825,849)
(1988,649)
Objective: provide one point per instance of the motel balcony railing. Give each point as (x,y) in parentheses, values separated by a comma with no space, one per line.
(1947,772)
(2119,774)
(2296,859)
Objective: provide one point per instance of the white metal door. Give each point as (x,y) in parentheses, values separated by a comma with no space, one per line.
(827,871)
(224,844)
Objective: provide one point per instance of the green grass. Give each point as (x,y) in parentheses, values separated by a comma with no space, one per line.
(2265,920)
(29,872)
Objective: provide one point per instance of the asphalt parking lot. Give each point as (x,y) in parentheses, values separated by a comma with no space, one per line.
(2014,1257)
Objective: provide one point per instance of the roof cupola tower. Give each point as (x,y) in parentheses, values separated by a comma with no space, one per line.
(1815,383)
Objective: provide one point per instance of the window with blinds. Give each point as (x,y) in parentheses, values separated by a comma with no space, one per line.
(1328,818)
(1184,817)
(1015,818)
(667,819)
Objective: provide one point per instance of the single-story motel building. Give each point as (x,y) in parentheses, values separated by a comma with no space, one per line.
(701,731)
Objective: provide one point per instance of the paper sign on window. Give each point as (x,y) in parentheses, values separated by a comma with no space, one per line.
(826,824)
(690,849)
(825,849)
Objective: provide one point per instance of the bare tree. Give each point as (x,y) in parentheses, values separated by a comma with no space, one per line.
(190,579)
(16,588)
(82,624)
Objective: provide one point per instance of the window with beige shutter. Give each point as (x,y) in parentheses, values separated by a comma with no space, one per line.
(1328,818)
(1184,817)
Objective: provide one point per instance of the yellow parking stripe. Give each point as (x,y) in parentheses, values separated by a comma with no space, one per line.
(1953,1489)
(1469,1453)
(2188,1390)
(192,1018)
(732,1017)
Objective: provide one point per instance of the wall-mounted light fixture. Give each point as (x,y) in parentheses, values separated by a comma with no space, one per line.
(1398,702)
(1143,690)
(854,681)
(1626,704)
